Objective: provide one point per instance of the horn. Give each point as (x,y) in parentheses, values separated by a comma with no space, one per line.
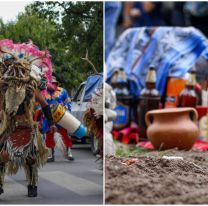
(86,58)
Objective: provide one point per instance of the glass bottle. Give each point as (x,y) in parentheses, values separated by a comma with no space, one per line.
(123,108)
(188,96)
(149,99)
(174,88)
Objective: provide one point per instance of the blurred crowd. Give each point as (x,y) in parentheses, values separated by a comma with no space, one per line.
(122,15)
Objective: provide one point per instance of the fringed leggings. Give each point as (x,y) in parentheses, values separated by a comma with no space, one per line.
(31,171)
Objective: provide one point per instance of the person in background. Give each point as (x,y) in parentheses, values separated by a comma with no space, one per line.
(128,14)
(57,95)
(202,81)
(197,15)
(137,14)
(112,11)
(178,15)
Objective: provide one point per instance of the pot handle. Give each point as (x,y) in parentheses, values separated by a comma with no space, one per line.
(147,118)
(195,115)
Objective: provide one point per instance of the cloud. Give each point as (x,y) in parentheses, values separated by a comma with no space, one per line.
(10,9)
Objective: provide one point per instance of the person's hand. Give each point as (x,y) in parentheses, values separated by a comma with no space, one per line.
(148,6)
(53,128)
(135,13)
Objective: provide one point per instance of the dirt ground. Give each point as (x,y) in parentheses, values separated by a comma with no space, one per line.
(151,179)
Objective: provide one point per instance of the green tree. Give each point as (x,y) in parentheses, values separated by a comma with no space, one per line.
(66,29)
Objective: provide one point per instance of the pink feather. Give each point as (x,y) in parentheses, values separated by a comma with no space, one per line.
(31,52)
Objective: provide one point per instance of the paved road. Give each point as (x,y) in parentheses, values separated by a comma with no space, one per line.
(61,182)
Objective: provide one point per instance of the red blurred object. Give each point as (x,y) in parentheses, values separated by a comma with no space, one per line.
(198,88)
(202,122)
(127,135)
(134,125)
(202,111)
(134,138)
(201,145)
(125,132)
(115,134)
(146,145)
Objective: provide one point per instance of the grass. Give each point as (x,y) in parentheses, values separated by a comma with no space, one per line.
(124,150)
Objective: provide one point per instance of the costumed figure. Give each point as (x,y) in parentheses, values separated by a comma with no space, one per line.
(93,118)
(110,115)
(56,95)
(20,83)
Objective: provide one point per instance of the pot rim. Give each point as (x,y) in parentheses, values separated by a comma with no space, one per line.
(171,110)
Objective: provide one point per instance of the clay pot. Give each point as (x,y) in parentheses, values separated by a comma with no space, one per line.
(170,128)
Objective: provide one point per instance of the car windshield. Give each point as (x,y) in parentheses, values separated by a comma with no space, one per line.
(78,95)
(93,82)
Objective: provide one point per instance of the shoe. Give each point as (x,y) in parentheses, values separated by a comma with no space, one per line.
(1,190)
(32,191)
(69,155)
(51,157)
(70,158)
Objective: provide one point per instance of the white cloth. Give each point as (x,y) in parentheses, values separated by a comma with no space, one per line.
(110,115)
(35,72)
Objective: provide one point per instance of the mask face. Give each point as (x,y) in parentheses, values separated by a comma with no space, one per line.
(19,87)
(14,96)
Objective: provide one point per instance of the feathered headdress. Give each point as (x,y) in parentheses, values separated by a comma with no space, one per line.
(29,53)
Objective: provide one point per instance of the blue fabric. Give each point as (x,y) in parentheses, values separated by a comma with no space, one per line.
(172,50)
(60,98)
(55,97)
(45,127)
(93,82)
(112,11)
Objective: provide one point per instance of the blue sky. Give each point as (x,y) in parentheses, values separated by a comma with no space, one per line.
(10,9)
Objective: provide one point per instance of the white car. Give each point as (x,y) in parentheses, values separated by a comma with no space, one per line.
(80,101)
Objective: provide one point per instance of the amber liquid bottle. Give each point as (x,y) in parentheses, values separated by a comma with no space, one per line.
(123,108)
(188,96)
(149,99)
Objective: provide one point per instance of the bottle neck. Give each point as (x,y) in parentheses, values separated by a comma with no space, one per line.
(150,85)
(190,87)
(151,76)
(191,82)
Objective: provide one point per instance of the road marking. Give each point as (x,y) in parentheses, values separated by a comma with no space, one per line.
(12,187)
(81,146)
(75,184)
(13,190)
(97,171)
